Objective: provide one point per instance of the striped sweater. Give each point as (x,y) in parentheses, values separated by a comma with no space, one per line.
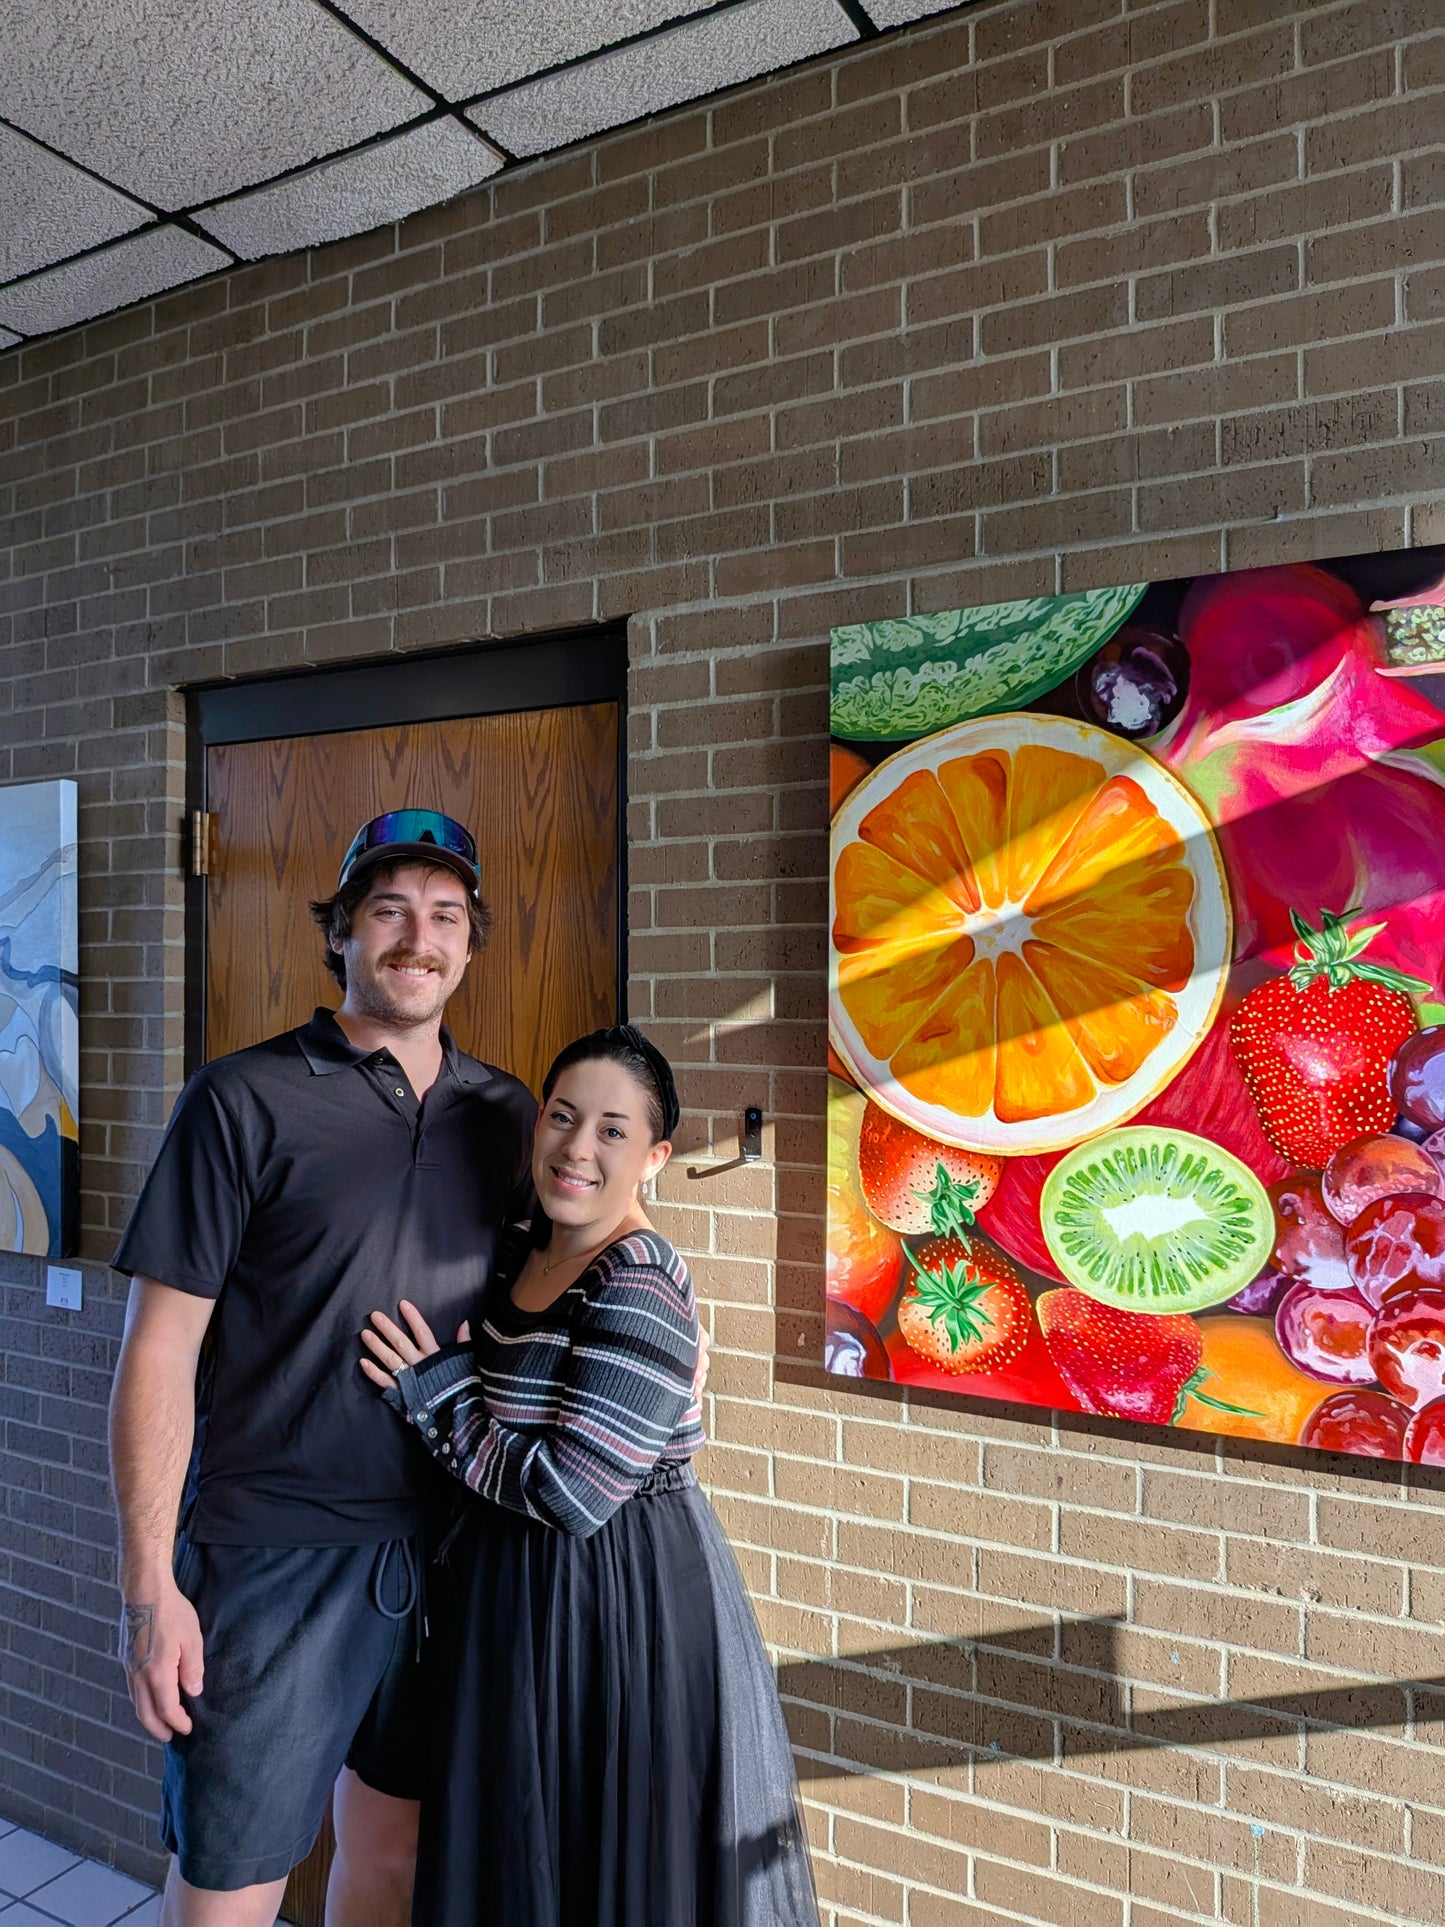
(561,1414)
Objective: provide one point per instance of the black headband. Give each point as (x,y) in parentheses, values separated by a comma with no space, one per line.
(657,1064)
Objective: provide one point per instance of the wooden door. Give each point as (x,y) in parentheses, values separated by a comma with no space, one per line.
(539,792)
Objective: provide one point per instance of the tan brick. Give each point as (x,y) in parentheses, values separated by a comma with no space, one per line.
(1049,1474)
(1173,1884)
(1004,1521)
(1310,209)
(1359,138)
(1041,1898)
(1399,1889)
(1281,1800)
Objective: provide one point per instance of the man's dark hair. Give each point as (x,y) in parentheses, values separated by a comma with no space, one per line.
(334,915)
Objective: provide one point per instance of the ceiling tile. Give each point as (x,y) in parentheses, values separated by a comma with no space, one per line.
(359,191)
(698,58)
(111,278)
(50,209)
(466,47)
(895,13)
(181,101)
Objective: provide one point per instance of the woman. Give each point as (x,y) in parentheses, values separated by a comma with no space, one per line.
(610,1751)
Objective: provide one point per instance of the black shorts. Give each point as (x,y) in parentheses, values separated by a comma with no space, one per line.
(310,1665)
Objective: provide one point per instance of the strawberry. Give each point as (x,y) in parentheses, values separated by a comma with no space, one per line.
(1315,1045)
(966,1310)
(914,1184)
(1125,1364)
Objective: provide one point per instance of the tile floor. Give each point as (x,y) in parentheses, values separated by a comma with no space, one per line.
(41,1885)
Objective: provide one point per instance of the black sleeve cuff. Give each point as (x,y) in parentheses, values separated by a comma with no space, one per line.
(421,1386)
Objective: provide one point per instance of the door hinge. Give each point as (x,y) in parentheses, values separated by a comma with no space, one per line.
(203,842)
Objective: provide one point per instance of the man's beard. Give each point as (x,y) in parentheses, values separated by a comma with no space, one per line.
(372,995)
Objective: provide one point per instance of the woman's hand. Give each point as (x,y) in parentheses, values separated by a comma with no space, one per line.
(393,1347)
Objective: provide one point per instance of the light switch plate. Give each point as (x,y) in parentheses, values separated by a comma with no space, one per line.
(62,1288)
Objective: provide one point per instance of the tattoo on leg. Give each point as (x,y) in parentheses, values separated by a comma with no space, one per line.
(136,1626)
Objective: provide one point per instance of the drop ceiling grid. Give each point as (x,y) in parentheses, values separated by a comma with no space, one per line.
(156,137)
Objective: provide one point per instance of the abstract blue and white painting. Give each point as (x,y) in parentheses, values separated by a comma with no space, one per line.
(39,1020)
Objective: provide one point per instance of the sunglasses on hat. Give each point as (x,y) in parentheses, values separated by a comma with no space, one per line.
(420,833)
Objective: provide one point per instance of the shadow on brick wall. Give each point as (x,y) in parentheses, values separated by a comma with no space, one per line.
(1050,1693)
(805,1331)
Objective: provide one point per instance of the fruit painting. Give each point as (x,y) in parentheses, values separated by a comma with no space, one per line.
(1137,1004)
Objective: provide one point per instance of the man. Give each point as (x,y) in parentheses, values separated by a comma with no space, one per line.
(302,1183)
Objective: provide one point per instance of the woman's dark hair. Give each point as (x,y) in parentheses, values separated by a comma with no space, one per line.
(624,1045)
(334,915)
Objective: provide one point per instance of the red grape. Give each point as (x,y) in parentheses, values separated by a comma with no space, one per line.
(1377,1167)
(1407,1345)
(852,1347)
(1261,1294)
(1369,1424)
(1417,1077)
(1425,1440)
(1326,1333)
(1397,1244)
(1136,683)
(1309,1245)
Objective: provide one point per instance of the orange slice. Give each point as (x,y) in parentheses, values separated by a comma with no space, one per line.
(1030,932)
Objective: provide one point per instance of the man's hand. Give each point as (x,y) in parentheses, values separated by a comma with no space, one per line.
(704,1349)
(160,1649)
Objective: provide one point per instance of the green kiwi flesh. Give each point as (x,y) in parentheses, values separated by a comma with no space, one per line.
(1156,1221)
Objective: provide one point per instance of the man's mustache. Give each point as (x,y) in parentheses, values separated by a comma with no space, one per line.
(419,961)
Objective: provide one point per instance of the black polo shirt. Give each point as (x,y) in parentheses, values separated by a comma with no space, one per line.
(302,1185)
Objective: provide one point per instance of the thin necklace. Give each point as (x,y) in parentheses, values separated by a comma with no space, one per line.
(572,1256)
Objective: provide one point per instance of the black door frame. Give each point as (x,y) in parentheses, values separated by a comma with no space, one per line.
(559,671)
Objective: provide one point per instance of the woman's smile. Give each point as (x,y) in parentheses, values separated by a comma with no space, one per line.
(573,1180)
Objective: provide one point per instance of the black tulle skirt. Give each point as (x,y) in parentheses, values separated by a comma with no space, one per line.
(610,1748)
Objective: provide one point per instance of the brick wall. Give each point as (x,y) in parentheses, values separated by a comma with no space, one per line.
(1046,294)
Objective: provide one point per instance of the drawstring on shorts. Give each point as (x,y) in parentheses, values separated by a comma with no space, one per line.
(413,1600)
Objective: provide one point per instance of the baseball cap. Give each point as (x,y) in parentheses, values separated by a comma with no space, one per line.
(398,834)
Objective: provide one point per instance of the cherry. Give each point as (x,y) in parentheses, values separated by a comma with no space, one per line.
(1326,1333)
(1397,1244)
(1369,1424)
(1377,1167)
(1309,1246)
(1407,1345)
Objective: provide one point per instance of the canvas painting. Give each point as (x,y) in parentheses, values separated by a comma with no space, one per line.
(39,1023)
(1137,1004)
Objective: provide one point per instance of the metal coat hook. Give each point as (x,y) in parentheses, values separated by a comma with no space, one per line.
(750,1146)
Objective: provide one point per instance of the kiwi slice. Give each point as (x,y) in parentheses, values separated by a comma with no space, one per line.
(1156,1221)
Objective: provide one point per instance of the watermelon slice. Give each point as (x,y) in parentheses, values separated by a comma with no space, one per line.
(913,676)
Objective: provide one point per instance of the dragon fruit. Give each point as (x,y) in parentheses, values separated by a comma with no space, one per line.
(1326,778)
